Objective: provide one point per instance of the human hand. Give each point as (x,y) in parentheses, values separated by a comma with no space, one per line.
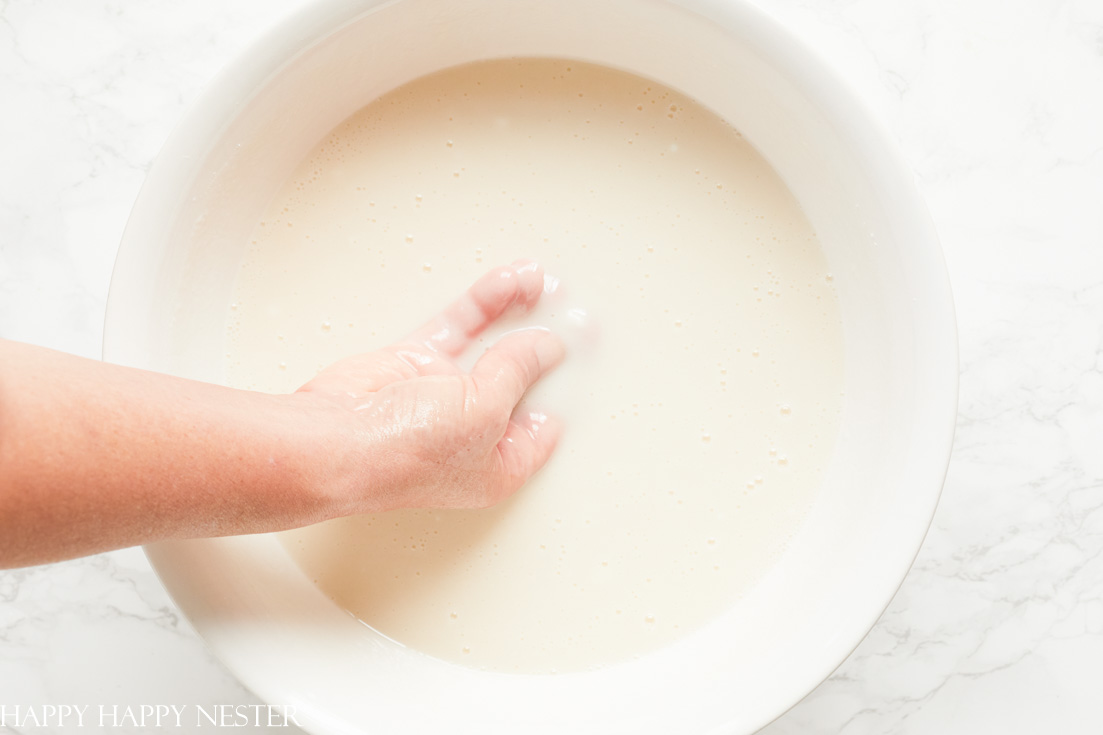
(417,431)
(96,456)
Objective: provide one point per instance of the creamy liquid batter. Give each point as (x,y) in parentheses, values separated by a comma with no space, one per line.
(700,397)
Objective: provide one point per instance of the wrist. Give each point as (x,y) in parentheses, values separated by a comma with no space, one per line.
(344,466)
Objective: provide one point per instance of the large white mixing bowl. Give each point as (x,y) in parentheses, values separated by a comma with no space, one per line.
(282,637)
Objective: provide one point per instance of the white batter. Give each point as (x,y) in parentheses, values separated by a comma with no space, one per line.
(700,398)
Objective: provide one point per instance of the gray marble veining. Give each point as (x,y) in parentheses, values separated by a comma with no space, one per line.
(998,106)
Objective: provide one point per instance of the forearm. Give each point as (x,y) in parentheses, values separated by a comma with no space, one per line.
(96,457)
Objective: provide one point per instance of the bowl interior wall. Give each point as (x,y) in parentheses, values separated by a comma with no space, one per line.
(184,244)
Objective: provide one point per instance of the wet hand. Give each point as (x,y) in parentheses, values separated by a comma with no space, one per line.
(417,431)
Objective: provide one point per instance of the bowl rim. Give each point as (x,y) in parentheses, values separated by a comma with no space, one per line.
(832,94)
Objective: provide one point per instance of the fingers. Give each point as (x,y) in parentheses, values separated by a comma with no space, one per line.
(502,375)
(451,331)
(428,351)
(513,364)
(528,442)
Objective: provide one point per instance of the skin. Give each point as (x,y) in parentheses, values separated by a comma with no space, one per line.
(96,457)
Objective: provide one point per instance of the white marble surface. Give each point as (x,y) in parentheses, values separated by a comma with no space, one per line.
(998,105)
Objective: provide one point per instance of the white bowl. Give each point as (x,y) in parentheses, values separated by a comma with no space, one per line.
(283,638)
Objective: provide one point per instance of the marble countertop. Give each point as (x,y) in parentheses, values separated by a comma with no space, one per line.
(997,104)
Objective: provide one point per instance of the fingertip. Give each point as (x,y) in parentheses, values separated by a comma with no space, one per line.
(527,445)
(530,281)
(544,430)
(492,295)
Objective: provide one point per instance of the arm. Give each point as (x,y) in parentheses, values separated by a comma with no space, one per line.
(95,456)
